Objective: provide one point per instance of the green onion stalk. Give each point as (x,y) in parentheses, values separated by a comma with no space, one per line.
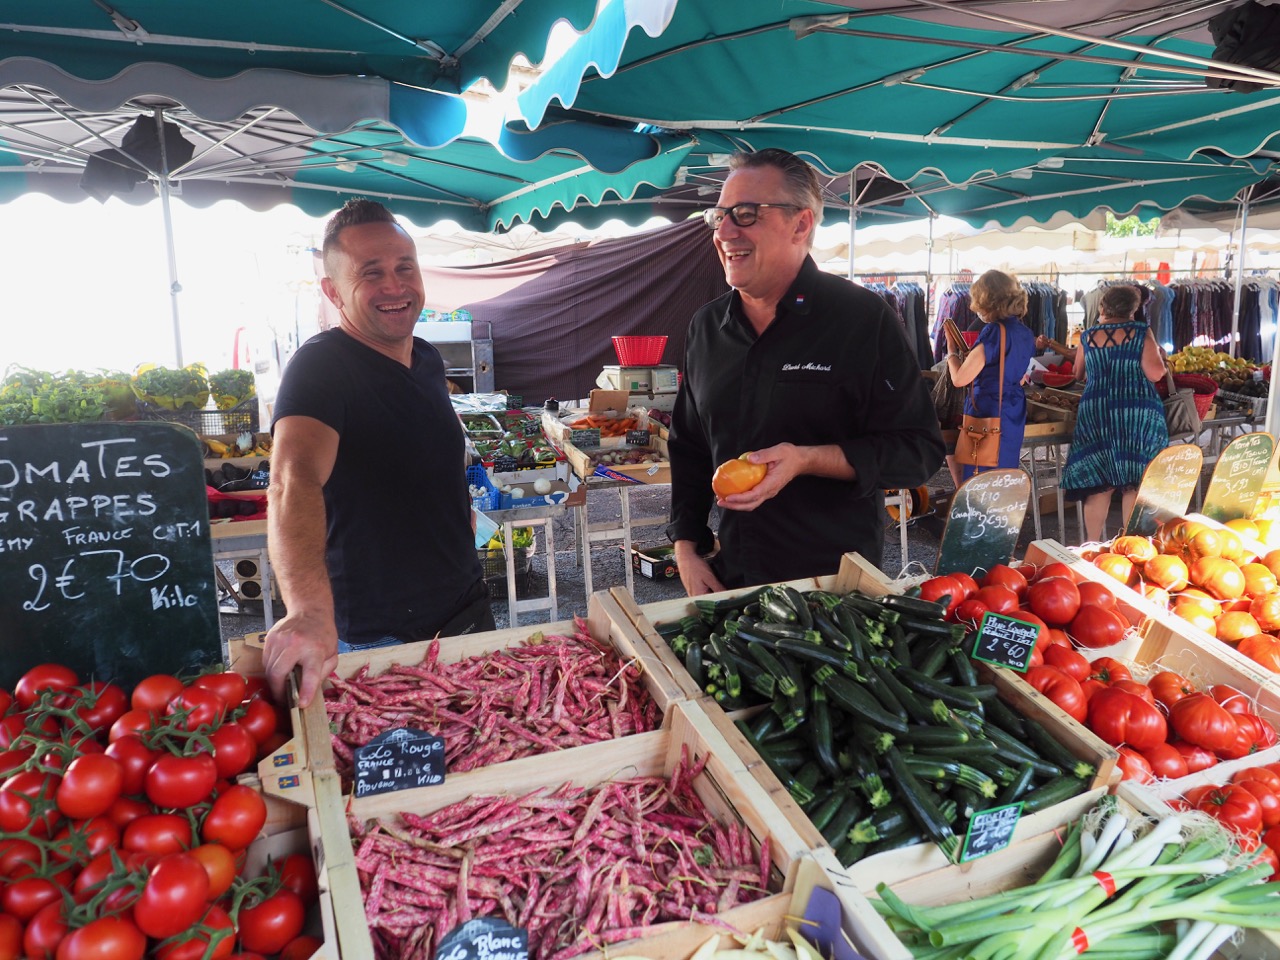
(1176,890)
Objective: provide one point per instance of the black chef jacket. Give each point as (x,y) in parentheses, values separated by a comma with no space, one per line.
(834,367)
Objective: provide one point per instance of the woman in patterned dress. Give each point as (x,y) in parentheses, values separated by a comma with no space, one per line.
(1120,424)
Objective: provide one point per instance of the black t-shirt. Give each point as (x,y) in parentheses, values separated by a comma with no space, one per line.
(833,368)
(400,551)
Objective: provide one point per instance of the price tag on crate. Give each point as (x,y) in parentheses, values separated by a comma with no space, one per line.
(1005,641)
(585,438)
(400,759)
(639,438)
(989,831)
(484,938)
(505,464)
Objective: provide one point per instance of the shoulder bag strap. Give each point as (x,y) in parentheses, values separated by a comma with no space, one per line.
(1000,400)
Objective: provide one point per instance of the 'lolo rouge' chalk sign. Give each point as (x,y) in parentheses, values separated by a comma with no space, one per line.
(399,759)
(1005,641)
(484,938)
(105,554)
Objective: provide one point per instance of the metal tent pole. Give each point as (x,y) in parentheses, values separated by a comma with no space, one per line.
(1234,347)
(175,287)
(853,216)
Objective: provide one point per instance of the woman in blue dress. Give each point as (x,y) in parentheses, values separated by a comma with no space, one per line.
(1001,303)
(1120,424)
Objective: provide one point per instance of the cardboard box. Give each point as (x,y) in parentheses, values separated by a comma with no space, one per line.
(656,562)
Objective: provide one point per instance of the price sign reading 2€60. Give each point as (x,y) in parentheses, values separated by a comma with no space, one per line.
(1005,641)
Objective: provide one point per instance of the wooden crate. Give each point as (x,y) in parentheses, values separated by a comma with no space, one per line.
(1165,641)
(725,786)
(856,573)
(1035,844)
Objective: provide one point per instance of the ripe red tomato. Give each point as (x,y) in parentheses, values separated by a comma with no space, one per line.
(1057,569)
(1095,626)
(301,948)
(178,782)
(1169,687)
(17,795)
(1096,594)
(1165,761)
(999,598)
(970,612)
(1090,686)
(16,852)
(1269,777)
(1108,670)
(234,749)
(1232,700)
(90,786)
(298,873)
(1055,600)
(228,685)
(25,896)
(1006,576)
(267,926)
(1134,766)
(219,865)
(158,834)
(1267,797)
(127,809)
(235,818)
(45,676)
(260,718)
(112,936)
(135,759)
(1260,733)
(1137,688)
(1069,661)
(45,931)
(10,937)
(129,723)
(174,897)
(82,840)
(1123,718)
(216,928)
(196,707)
(1267,856)
(153,694)
(104,867)
(101,704)
(1061,689)
(1234,807)
(1201,720)
(934,590)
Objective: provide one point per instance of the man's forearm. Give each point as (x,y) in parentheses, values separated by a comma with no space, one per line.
(827,460)
(296,538)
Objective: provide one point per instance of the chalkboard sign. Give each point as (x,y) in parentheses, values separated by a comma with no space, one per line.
(1166,488)
(639,438)
(484,938)
(399,759)
(985,519)
(585,438)
(1238,477)
(989,831)
(1005,641)
(105,554)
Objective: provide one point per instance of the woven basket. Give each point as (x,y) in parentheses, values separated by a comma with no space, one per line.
(1205,389)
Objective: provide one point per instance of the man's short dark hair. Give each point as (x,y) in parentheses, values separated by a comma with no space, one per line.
(803,186)
(354,213)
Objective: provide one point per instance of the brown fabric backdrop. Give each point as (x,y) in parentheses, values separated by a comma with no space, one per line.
(553,312)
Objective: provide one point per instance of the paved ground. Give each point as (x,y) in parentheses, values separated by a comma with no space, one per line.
(607,565)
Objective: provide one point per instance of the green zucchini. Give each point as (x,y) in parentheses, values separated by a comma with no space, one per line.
(765,726)
(814,653)
(885,693)
(965,672)
(942,737)
(792,598)
(668,629)
(781,676)
(853,698)
(1017,787)
(826,811)
(871,607)
(920,804)
(884,684)
(1055,752)
(896,841)
(693,664)
(880,823)
(958,697)
(820,734)
(849,853)
(838,827)
(951,771)
(732,679)
(830,633)
(727,604)
(976,747)
(914,606)
(777,609)
(1055,791)
(932,656)
(869,738)
(939,628)
(1004,716)
(778,630)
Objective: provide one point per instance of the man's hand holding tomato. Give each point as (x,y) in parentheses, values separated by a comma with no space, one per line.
(783,463)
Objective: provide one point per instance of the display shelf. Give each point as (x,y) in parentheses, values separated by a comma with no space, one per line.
(724,786)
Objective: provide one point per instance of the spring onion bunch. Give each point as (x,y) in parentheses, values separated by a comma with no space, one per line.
(1120,886)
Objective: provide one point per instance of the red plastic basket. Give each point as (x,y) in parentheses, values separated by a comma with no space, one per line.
(1206,388)
(639,351)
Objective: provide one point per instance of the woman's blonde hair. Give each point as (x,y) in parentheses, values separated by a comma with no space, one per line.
(996,295)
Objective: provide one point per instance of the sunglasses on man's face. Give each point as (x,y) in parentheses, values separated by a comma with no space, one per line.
(742,214)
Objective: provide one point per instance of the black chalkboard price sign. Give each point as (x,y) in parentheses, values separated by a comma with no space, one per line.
(1005,641)
(1237,477)
(484,938)
(639,438)
(105,557)
(585,438)
(400,759)
(1166,488)
(989,831)
(984,521)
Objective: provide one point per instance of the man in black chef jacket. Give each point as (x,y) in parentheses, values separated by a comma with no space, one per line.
(807,370)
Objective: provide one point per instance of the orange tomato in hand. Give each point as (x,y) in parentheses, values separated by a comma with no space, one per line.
(737,476)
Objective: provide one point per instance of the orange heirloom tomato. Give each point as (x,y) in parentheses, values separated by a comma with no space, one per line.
(1262,648)
(737,476)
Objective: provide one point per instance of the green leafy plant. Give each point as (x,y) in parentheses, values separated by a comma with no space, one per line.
(38,396)
(185,389)
(231,387)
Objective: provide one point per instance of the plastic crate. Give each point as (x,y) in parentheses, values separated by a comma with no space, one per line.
(478,476)
(242,418)
(639,351)
(495,569)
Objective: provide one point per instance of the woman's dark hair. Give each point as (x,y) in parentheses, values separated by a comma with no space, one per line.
(996,295)
(1120,301)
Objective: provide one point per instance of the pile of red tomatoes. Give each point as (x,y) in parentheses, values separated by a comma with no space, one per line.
(122,831)
(1249,805)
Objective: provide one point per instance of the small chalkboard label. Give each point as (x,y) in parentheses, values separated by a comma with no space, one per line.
(989,831)
(1238,477)
(639,438)
(1005,641)
(585,438)
(484,938)
(984,521)
(505,464)
(1166,488)
(400,759)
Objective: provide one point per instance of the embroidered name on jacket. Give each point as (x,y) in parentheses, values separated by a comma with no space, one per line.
(820,367)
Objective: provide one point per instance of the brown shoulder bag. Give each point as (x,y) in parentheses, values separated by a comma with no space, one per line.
(979,442)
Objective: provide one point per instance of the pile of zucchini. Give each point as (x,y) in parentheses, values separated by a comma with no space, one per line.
(874,718)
